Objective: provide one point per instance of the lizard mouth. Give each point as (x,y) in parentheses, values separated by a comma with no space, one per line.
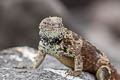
(53,29)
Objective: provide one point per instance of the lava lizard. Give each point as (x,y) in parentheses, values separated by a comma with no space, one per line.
(72,50)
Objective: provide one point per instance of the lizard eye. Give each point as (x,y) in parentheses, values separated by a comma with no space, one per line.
(60,24)
(44,22)
(53,24)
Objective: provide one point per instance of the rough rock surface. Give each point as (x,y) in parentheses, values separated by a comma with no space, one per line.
(50,69)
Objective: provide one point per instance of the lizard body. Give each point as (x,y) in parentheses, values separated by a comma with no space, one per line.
(72,50)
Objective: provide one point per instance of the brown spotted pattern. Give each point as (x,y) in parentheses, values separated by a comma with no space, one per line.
(73,51)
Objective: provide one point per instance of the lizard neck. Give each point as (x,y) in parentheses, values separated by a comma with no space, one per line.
(49,41)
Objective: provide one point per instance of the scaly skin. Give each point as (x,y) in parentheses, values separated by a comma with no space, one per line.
(72,50)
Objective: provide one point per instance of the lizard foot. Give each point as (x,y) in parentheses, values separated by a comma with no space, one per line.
(74,73)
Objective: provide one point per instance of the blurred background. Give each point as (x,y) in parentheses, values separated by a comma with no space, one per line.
(97,20)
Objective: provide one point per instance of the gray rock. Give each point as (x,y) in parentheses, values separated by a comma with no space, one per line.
(50,69)
(38,74)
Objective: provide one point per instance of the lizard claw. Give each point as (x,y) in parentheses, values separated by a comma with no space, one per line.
(74,73)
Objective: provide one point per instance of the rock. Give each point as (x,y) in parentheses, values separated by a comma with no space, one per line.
(38,74)
(50,69)
(13,74)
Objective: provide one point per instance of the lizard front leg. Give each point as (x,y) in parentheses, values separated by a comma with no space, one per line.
(78,67)
(38,60)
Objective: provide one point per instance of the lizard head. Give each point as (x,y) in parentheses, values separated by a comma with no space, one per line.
(51,29)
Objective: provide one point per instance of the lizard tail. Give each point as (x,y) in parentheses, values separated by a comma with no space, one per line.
(107,73)
(103,73)
(118,76)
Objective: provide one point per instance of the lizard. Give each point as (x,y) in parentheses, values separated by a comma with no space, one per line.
(71,50)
